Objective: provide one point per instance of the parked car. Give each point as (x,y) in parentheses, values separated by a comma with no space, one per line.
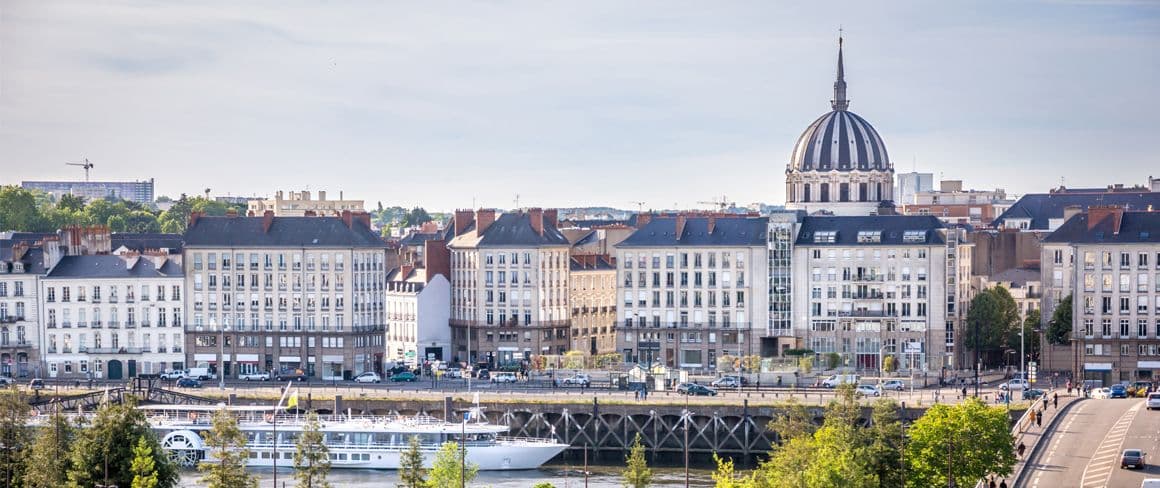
(36,384)
(1015,384)
(172,375)
(1133,458)
(483,374)
(840,379)
(868,390)
(727,382)
(503,377)
(1153,401)
(368,377)
(291,375)
(6,381)
(896,385)
(1102,393)
(263,376)
(1033,394)
(694,389)
(198,374)
(453,373)
(188,383)
(578,379)
(405,376)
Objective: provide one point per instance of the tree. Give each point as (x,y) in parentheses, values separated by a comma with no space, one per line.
(637,473)
(71,203)
(990,319)
(1030,338)
(103,451)
(49,454)
(416,216)
(411,472)
(13,435)
(889,364)
(543,484)
(806,364)
(117,223)
(967,441)
(887,439)
(226,466)
(833,360)
(311,457)
(141,221)
(1060,326)
(143,468)
(725,476)
(448,470)
(18,210)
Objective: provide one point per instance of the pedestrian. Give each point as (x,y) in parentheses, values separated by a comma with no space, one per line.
(1033,415)
(1020,449)
(1039,420)
(636,394)
(1055,398)
(1003,484)
(964,392)
(1068,387)
(991,482)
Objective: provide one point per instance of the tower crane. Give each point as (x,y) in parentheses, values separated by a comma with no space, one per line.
(86,165)
(639,206)
(721,204)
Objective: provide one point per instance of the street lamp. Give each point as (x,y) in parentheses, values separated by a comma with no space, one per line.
(222,358)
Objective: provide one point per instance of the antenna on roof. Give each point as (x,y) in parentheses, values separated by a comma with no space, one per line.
(639,206)
(517,201)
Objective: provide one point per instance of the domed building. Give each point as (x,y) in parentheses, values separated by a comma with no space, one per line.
(839,163)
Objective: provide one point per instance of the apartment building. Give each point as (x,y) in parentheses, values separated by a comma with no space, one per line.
(509,286)
(283,293)
(113,316)
(1115,281)
(302,204)
(779,332)
(592,295)
(691,289)
(21,265)
(418,299)
(868,287)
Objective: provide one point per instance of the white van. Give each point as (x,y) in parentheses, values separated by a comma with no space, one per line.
(199,374)
(840,379)
(1150,483)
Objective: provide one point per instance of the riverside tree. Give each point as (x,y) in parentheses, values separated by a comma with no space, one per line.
(448,471)
(13,434)
(143,467)
(227,448)
(990,321)
(411,472)
(966,441)
(50,454)
(103,450)
(637,473)
(1060,325)
(311,457)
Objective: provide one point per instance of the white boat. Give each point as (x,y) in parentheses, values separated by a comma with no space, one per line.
(366,442)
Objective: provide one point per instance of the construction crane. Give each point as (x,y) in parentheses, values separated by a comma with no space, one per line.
(721,204)
(639,206)
(86,165)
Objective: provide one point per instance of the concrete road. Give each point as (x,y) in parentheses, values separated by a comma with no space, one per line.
(1084,449)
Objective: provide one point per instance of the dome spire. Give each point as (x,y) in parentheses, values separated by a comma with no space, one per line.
(839,102)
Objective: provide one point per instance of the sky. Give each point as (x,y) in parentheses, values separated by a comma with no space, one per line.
(569,103)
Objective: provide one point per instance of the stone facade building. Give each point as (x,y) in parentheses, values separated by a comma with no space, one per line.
(592,286)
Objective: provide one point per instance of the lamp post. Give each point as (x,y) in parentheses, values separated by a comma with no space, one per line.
(1022,352)
(222,359)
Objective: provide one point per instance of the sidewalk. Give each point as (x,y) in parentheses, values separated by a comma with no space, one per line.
(1030,433)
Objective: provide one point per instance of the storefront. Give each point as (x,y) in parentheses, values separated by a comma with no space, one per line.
(1098,371)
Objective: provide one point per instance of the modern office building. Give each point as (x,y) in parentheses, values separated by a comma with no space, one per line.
(910,184)
(135,191)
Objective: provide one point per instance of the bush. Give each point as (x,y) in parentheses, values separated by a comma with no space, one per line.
(833,359)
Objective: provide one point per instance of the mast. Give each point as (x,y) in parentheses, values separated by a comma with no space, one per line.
(840,103)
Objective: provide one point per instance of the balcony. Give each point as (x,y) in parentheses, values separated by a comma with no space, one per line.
(96,324)
(18,344)
(867,313)
(131,324)
(118,350)
(867,278)
(66,325)
(113,324)
(868,296)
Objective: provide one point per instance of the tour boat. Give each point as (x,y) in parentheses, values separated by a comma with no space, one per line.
(365,442)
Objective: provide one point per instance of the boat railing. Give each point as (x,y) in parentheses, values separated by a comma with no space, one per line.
(524,440)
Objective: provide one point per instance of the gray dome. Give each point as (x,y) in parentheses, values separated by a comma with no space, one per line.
(842,141)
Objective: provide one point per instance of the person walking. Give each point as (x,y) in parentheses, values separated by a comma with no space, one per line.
(964,393)
(1039,420)
(1055,398)
(991,482)
(1003,484)
(1020,449)
(1068,387)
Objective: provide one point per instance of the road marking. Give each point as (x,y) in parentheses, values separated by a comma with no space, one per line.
(1097,472)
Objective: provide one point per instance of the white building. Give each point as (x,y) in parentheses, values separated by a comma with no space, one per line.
(692,288)
(868,287)
(21,264)
(910,184)
(509,286)
(301,204)
(113,317)
(418,311)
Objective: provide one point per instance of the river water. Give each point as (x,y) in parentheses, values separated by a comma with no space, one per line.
(559,475)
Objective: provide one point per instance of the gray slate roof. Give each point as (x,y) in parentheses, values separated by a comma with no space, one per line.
(892,227)
(727,231)
(1017,276)
(1135,228)
(1040,207)
(108,266)
(511,229)
(284,232)
(141,242)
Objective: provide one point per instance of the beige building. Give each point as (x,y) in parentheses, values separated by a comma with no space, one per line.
(21,264)
(285,293)
(301,203)
(593,299)
(509,286)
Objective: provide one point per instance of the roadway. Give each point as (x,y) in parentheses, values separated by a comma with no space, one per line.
(1084,448)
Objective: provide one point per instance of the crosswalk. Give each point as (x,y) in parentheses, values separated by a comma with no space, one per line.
(1107,455)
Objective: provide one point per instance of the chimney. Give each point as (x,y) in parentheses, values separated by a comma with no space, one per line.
(321,195)
(405,270)
(267,221)
(193,218)
(1097,214)
(681,220)
(551,217)
(278,195)
(462,220)
(536,217)
(363,217)
(1071,211)
(642,219)
(346,218)
(484,217)
(712,223)
(429,227)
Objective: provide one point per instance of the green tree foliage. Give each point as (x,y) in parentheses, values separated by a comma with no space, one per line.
(226,466)
(726,476)
(448,470)
(833,360)
(143,468)
(18,210)
(411,472)
(889,364)
(117,223)
(13,435)
(49,454)
(993,314)
(637,473)
(1060,325)
(543,484)
(103,451)
(311,457)
(806,364)
(71,203)
(971,436)
(887,439)
(416,216)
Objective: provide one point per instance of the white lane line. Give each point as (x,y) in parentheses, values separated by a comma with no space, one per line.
(1097,473)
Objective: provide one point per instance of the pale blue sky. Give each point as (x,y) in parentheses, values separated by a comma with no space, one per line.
(569,103)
